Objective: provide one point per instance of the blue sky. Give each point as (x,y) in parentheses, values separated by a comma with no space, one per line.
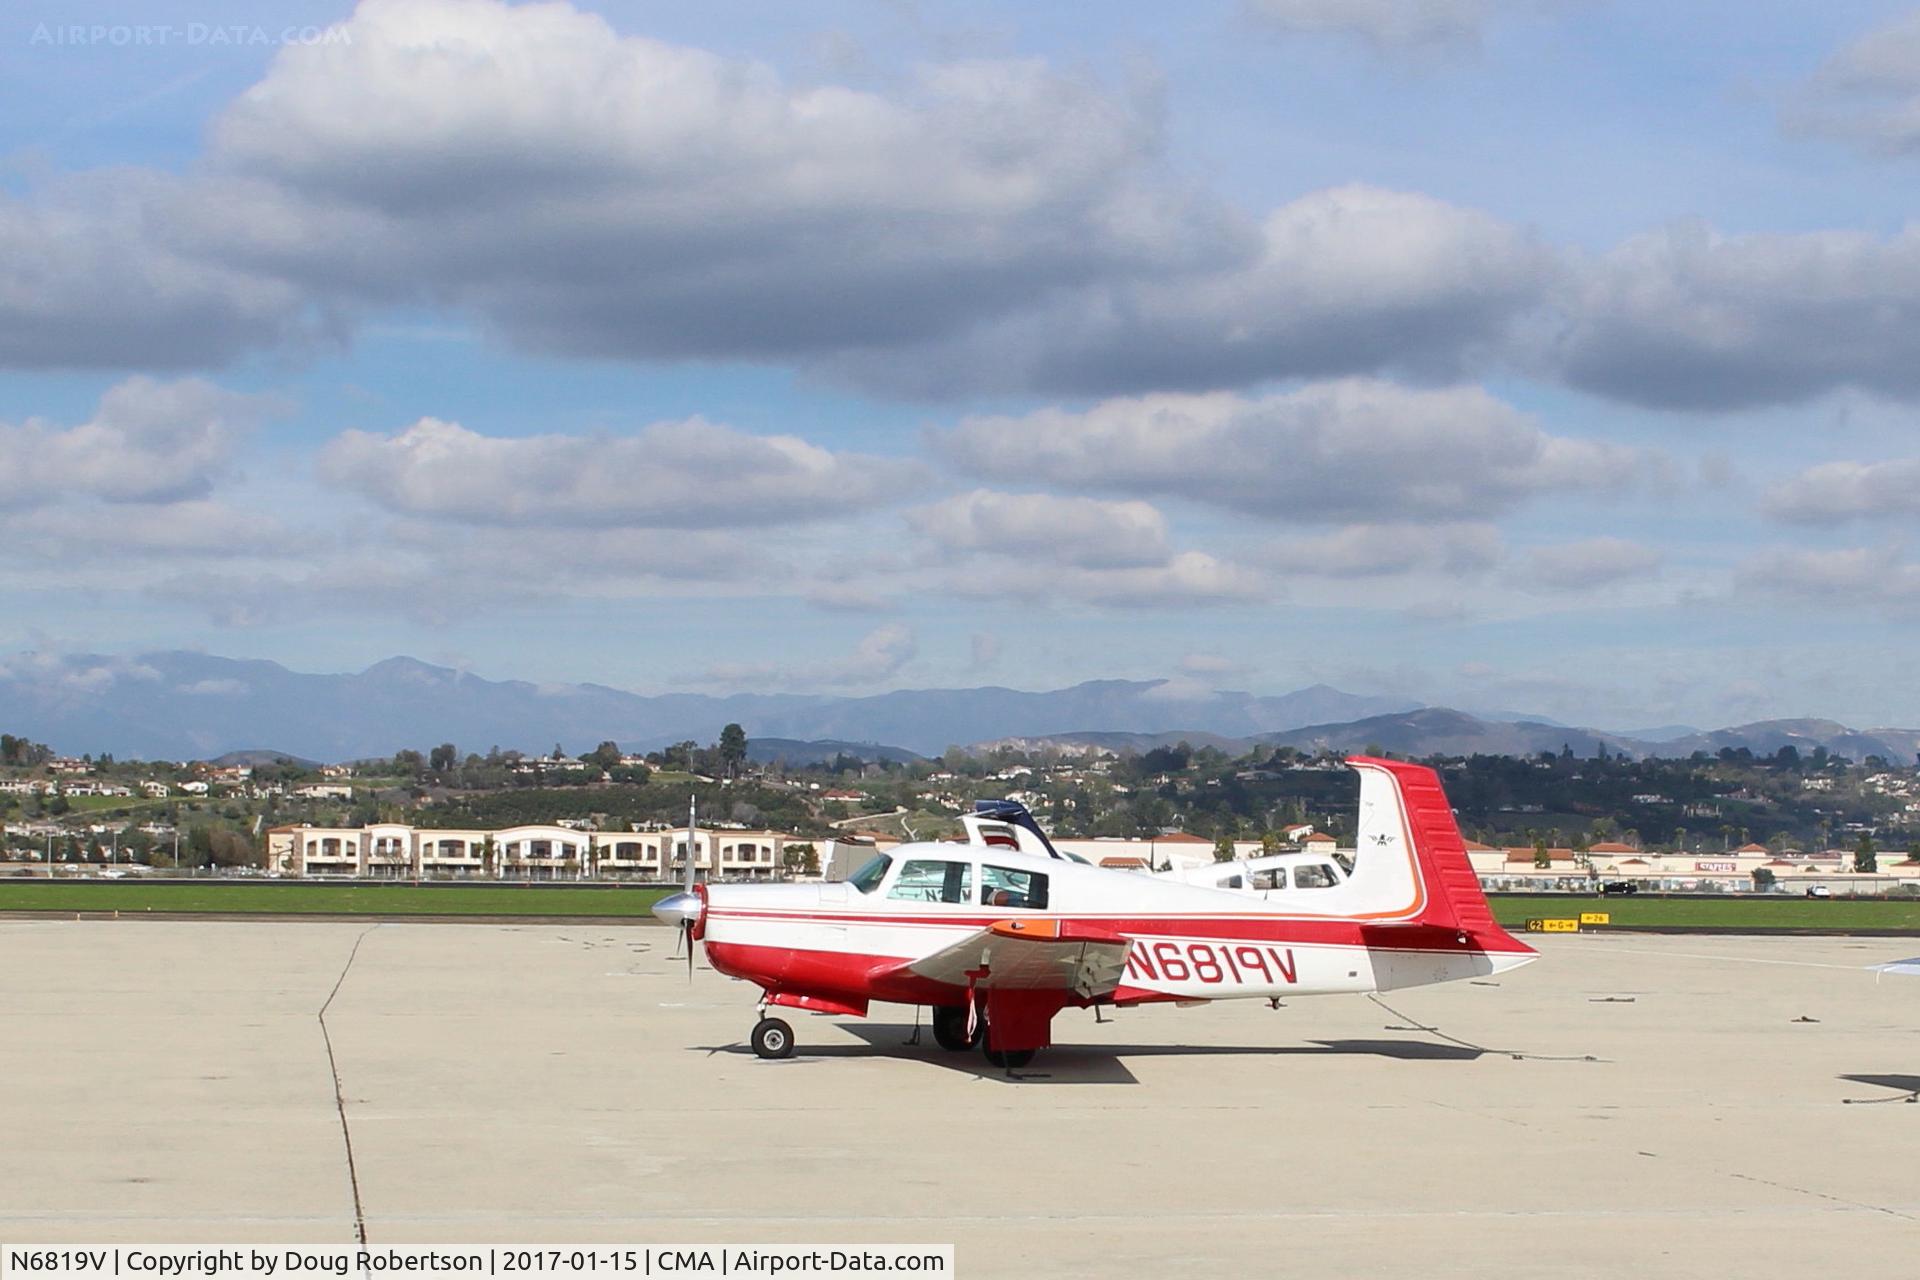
(1556,356)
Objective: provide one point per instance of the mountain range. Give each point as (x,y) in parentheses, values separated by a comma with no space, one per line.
(185,705)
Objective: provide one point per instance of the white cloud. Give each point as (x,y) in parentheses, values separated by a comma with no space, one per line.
(687,474)
(1053,549)
(1077,531)
(100,270)
(1353,450)
(877,657)
(1187,579)
(1690,318)
(147,442)
(611,195)
(979,226)
(216,688)
(1351,279)
(1369,550)
(1867,92)
(1388,25)
(1847,578)
(1213,666)
(1838,491)
(1594,562)
(76,534)
(78,673)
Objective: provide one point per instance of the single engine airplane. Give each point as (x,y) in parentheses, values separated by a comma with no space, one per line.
(999,934)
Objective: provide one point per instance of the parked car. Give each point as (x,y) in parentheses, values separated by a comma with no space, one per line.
(1819,891)
(1614,888)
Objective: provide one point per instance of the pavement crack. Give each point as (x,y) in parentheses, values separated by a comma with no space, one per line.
(1822,1195)
(339,1097)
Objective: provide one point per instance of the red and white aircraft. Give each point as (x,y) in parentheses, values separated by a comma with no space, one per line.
(999,934)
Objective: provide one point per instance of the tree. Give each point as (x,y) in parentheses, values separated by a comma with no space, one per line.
(1865,860)
(1223,849)
(409,763)
(606,755)
(803,858)
(733,749)
(1762,879)
(443,757)
(231,849)
(1541,858)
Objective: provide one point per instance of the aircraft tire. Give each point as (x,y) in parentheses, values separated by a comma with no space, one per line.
(1011,1059)
(772,1038)
(950,1029)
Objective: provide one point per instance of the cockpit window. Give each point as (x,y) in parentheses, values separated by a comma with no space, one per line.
(1274,879)
(933,880)
(1005,887)
(868,878)
(1314,875)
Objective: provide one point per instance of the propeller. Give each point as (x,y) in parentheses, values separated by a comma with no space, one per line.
(683,909)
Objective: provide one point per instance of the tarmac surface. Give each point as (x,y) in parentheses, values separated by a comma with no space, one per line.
(1673,1106)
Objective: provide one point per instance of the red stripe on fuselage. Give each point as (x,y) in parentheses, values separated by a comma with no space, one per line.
(1325,930)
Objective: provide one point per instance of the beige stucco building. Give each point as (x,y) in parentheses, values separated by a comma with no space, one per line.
(535,851)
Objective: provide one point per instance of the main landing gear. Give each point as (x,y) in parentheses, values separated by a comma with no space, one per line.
(950,1032)
(773,1038)
(950,1029)
(1010,1059)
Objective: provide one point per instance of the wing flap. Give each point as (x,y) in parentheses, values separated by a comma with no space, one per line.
(1030,955)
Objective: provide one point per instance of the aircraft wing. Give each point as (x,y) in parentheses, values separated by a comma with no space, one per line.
(1910,968)
(1030,955)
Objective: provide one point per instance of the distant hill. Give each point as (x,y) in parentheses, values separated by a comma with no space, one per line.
(180,705)
(183,705)
(259,757)
(1439,731)
(1765,737)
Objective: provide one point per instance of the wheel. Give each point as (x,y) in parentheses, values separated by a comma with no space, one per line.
(1011,1059)
(772,1038)
(950,1029)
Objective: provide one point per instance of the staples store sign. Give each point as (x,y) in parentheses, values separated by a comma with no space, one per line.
(1716,866)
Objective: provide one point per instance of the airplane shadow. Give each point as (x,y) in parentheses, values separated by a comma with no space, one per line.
(1093,1064)
(1900,1084)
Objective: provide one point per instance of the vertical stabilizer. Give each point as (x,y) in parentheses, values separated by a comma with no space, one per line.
(1404,812)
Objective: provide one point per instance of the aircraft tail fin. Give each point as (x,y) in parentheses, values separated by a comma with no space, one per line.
(1404,811)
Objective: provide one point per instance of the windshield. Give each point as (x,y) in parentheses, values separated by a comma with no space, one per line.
(868,878)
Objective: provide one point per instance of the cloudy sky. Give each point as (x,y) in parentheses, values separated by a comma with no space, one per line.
(1558,356)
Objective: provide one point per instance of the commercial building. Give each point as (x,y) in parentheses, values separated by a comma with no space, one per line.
(1792,871)
(530,852)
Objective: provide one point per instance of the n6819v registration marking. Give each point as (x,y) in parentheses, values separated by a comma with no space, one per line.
(1215,963)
